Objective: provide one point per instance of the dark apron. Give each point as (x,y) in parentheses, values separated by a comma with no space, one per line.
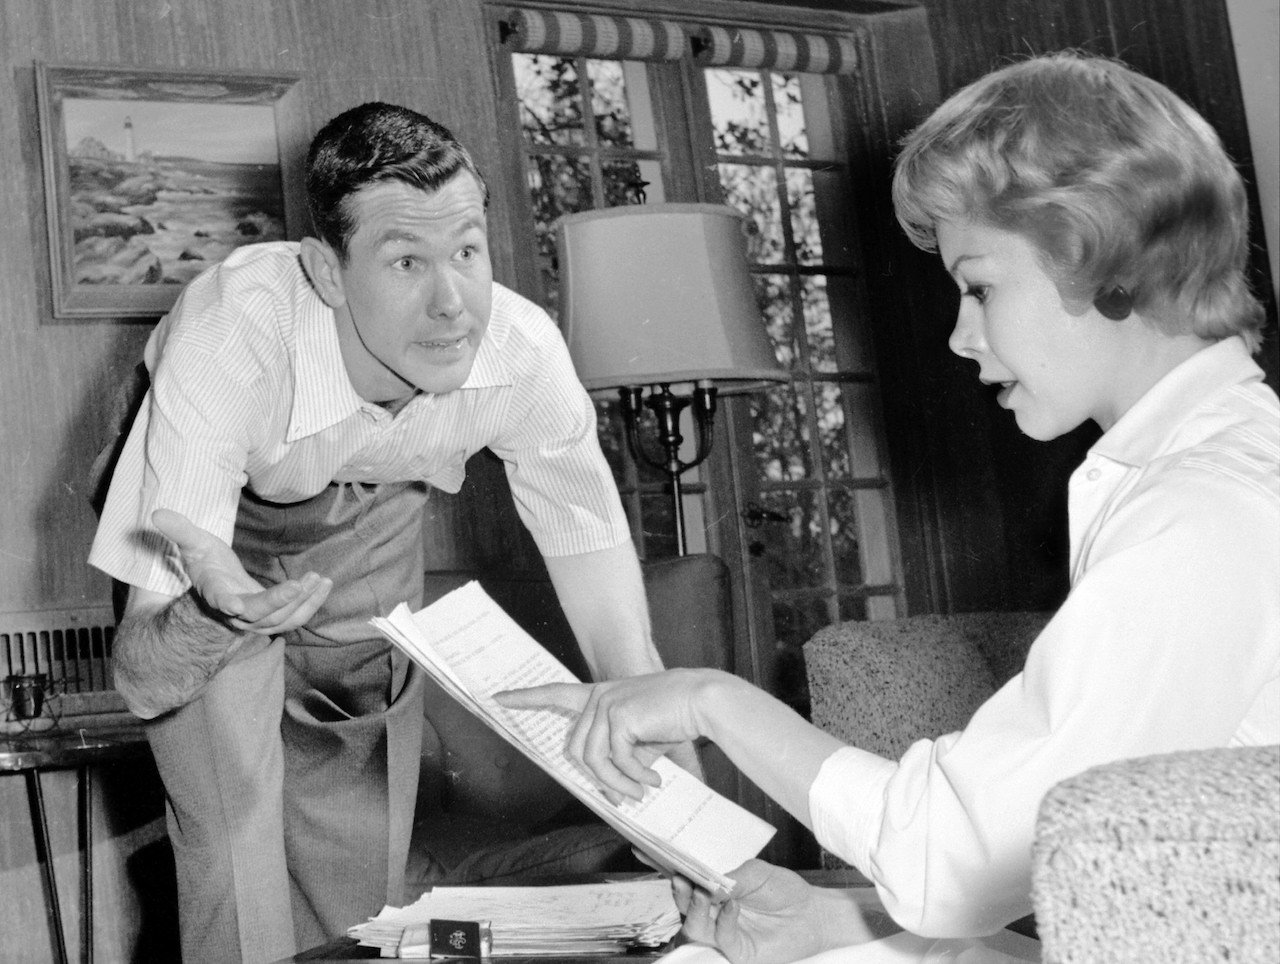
(291,781)
(353,716)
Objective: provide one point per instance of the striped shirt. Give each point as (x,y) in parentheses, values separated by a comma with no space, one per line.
(249,391)
(1168,640)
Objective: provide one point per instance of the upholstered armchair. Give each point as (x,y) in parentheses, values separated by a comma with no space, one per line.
(883,685)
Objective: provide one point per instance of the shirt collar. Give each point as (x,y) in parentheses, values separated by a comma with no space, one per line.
(322,392)
(1143,431)
(489,369)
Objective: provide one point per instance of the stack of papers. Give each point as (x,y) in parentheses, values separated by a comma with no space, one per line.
(473,649)
(555,922)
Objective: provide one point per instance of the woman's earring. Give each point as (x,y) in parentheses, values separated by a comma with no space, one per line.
(1114,303)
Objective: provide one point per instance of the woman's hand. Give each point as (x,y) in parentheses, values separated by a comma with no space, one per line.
(229,592)
(625,724)
(768,919)
(774,916)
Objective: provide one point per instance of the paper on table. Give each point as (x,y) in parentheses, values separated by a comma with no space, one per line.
(1005,947)
(558,921)
(473,649)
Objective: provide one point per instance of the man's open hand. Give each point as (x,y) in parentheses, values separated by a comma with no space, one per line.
(220,580)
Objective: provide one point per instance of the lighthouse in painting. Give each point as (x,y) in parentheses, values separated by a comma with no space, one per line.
(130,154)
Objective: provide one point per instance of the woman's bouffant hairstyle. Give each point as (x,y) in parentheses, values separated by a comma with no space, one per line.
(372,143)
(1113,178)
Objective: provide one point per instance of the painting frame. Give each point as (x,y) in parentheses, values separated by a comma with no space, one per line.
(133,216)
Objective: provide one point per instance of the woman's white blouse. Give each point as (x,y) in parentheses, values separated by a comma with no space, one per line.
(1168,640)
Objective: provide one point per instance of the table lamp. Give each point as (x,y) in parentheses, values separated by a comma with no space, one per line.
(659,295)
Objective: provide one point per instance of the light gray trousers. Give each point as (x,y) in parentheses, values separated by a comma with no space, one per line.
(291,781)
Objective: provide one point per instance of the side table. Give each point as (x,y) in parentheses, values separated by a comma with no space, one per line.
(30,754)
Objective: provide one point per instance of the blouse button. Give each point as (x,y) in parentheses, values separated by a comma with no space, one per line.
(1094,475)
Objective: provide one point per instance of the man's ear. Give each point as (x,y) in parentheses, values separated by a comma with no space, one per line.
(324,268)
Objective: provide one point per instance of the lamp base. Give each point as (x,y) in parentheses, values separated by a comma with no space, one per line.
(667,406)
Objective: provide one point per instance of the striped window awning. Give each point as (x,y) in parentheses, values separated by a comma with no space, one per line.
(604,36)
(593,35)
(805,53)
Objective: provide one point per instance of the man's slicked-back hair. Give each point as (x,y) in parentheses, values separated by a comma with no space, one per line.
(369,144)
(1114,179)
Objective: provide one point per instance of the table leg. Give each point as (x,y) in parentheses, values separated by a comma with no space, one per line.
(86,864)
(45,855)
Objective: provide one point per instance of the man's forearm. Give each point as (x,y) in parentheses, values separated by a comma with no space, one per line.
(164,658)
(602,594)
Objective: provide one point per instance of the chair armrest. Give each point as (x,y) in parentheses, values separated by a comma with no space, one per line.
(689,610)
(1169,857)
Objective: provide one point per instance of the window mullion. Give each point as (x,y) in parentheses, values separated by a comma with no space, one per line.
(589,132)
(800,335)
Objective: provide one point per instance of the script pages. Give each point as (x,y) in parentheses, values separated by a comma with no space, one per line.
(551,922)
(473,649)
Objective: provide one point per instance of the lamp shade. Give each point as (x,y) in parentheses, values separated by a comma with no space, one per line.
(660,293)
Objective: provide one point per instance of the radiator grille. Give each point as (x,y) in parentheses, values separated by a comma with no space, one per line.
(72,648)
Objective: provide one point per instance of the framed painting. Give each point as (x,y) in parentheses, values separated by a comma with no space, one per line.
(151,176)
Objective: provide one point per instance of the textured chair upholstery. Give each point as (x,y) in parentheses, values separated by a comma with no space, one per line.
(1163,858)
(883,685)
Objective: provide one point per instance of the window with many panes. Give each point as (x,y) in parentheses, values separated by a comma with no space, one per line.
(590,140)
(731,115)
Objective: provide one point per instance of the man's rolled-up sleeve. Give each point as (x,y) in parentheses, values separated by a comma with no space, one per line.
(562,485)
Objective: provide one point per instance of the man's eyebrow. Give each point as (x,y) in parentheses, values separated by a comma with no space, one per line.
(394,235)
